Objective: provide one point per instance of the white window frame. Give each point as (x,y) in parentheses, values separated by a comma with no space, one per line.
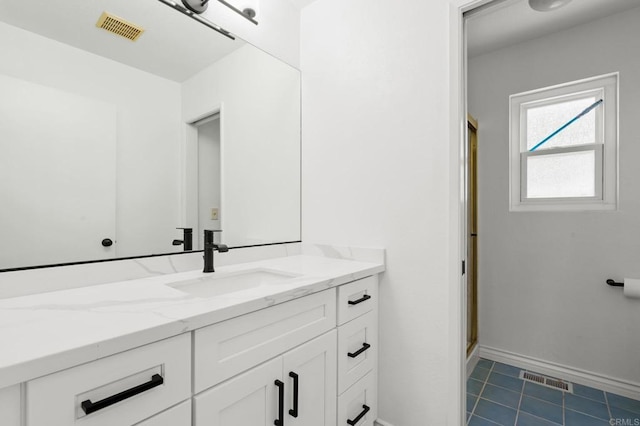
(606,147)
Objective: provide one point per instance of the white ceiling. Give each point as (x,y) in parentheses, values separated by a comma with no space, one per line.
(513,21)
(173,46)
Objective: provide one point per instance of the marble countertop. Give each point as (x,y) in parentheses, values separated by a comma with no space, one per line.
(47,332)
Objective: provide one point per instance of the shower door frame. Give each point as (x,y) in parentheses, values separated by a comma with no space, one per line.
(472,233)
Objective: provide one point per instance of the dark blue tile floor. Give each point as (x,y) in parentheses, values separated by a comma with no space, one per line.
(496,396)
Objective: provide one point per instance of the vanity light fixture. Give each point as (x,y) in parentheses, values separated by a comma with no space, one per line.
(190,13)
(196,6)
(248,13)
(547,5)
(200,6)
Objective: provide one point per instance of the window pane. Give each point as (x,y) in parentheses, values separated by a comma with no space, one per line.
(561,175)
(544,120)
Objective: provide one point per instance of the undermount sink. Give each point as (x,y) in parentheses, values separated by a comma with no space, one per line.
(217,285)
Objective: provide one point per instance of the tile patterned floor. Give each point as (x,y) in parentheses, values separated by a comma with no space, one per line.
(496,396)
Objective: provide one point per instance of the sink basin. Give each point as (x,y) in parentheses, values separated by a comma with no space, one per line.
(217,285)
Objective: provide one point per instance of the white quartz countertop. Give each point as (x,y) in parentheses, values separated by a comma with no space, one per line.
(48,332)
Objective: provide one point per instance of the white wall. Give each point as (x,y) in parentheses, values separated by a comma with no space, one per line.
(542,275)
(259,98)
(376,155)
(55,207)
(148,130)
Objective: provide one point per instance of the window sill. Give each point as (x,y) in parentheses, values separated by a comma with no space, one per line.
(562,206)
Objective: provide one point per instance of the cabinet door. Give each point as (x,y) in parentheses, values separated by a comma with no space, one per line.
(250,399)
(312,367)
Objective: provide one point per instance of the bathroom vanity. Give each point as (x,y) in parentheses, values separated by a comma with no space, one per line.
(286,341)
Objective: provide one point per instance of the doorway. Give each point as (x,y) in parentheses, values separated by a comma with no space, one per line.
(202,179)
(545,306)
(209,188)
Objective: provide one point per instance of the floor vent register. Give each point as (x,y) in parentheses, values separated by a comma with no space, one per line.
(549,382)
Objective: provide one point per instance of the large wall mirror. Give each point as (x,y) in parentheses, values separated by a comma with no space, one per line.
(108,145)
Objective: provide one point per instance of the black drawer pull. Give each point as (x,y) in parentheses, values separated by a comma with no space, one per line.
(364,347)
(293,412)
(365,410)
(362,299)
(280,420)
(90,407)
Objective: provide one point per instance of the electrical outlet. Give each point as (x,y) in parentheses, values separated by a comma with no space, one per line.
(214,214)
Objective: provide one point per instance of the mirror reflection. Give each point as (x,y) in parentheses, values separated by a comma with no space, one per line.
(113,138)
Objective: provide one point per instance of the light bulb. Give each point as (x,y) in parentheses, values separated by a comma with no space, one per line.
(547,5)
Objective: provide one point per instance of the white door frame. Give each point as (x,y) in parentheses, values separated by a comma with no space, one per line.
(458,158)
(189,175)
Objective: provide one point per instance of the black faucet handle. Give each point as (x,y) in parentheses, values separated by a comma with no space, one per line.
(209,247)
(187,239)
(208,235)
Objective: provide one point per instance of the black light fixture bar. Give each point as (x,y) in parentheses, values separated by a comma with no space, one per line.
(239,12)
(194,16)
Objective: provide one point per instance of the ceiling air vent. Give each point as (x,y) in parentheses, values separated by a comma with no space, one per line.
(549,382)
(119,26)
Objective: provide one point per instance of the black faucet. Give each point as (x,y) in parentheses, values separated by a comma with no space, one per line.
(187,239)
(209,248)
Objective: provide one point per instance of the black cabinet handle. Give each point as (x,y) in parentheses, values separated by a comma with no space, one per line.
(107,242)
(90,407)
(296,382)
(362,299)
(365,410)
(280,420)
(364,347)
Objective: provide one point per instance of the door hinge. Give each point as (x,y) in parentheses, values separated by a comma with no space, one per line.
(463,267)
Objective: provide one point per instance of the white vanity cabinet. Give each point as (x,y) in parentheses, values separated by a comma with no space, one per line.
(311,361)
(297,388)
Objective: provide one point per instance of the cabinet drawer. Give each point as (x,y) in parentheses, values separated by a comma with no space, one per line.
(180,415)
(359,403)
(225,349)
(357,350)
(165,367)
(357,298)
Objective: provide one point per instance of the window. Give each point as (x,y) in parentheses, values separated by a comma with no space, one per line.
(563,143)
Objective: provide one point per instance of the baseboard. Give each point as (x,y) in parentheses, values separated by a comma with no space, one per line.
(379,422)
(571,374)
(472,359)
